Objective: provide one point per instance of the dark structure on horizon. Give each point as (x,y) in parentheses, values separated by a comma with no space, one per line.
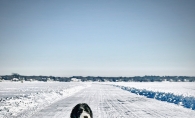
(17,77)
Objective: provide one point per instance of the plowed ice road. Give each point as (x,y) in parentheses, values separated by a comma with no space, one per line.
(111,102)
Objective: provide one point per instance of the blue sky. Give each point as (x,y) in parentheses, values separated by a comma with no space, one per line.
(97,38)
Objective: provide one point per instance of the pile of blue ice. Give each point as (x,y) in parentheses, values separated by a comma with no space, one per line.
(185,101)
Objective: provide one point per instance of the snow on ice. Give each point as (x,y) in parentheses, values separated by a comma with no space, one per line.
(16,97)
(56,99)
(179,93)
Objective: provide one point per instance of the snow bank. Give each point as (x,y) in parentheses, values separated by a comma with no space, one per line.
(177,88)
(186,101)
(17,105)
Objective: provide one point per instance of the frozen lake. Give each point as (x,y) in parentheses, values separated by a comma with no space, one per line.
(56,99)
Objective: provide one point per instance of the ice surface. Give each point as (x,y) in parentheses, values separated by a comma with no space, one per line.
(56,99)
(180,93)
(15,98)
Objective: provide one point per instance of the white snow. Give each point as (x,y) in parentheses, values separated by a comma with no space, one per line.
(181,93)
(178,88)
(16,97)
(107,100)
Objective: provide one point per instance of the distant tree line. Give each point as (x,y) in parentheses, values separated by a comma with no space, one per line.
(18,77)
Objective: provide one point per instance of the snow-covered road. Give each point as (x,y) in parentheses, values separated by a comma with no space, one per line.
(111,102)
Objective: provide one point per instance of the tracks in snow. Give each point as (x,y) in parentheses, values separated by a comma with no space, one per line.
(112,102)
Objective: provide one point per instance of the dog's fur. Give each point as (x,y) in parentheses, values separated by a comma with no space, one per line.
(81,110)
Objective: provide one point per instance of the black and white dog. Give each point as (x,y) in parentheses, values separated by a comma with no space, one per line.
(81,110)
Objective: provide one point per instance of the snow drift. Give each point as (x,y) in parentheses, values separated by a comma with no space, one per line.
(17,105)
(185,101)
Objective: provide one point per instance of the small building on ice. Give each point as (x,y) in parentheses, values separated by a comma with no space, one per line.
(75,80)
(15,79)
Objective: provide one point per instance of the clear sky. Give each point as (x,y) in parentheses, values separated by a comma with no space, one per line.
(97,38)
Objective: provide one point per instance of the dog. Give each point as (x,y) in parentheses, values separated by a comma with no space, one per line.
(81,110)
